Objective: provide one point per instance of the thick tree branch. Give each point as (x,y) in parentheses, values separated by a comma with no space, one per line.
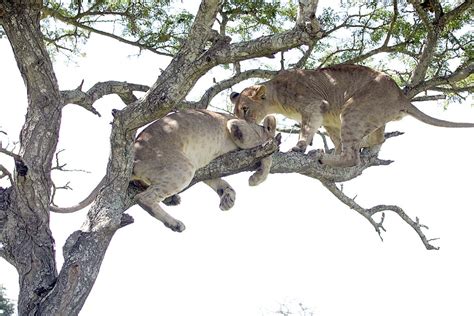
(86,99)
(267,45)
(433,29)
(86,249)
(307,14)
(4,203)
(200,31)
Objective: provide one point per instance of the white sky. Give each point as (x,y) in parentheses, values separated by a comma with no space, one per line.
(284,242)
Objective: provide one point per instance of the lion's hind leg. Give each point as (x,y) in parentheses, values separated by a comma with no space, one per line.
(166,180)
(150,202)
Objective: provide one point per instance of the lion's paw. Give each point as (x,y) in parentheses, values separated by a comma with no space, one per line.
(175,225)
(227,199)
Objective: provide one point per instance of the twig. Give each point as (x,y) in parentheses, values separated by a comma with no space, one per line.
(9,153)
(228,83)
(5,173)
(61,167)
(325,142)
(55,188)
(369,213)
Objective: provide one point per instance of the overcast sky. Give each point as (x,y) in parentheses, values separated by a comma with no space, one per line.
(286,241)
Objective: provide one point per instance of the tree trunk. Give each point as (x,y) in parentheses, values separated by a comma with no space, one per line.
(27,238)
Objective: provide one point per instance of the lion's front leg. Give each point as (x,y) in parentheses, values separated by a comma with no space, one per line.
(262,171)
(224,190)
(309,125)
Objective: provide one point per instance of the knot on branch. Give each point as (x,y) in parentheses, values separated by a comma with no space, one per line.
(21,167)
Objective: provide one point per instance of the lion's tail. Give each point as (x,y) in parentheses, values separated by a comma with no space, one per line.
(416,113)
(88,200)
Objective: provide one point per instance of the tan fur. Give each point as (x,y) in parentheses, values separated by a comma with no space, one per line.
(170,150)
(352,102)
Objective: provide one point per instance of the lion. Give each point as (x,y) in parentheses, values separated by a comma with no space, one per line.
(170,150)
(352,102)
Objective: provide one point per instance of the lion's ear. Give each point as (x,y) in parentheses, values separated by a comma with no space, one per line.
(233,97)
(269,123)
(259,91)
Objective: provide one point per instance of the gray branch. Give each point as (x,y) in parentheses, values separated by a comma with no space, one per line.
(428,50)
(308,165)
(86,99)
(378,225)
(434,27)
(228,83)
(436,83)
(429,98)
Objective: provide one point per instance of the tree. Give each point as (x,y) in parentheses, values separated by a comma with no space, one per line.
(430,37)
(6,306)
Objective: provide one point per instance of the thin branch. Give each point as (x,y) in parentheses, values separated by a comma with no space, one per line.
(378,225)
(373,52)
(74,22)
(429,98)
(454,13)
(302,61)
(5,173)
(9,153)
(461,73)
(61,167)
(456,90)
(392,23)
(228,83)
(325,141)
(56,188)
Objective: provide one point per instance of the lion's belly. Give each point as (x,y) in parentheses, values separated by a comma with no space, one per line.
(332,119)
(200,151)
(290,113)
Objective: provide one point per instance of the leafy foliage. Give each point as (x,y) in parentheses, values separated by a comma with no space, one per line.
(249,18)
(6,306)
(154,24)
